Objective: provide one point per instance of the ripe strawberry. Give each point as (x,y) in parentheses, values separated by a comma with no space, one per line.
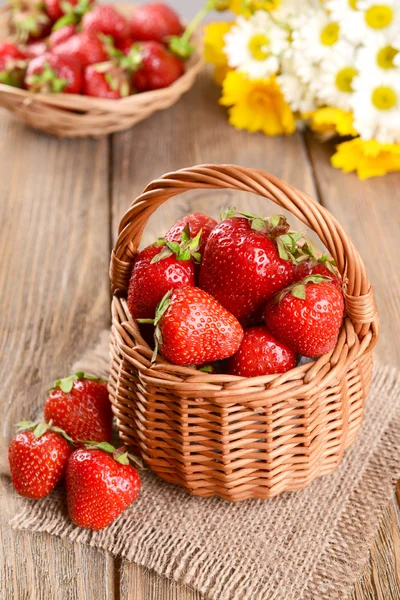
(34,49)
(107,80)
(107,20)
(247,260)
(85,47)
(158,270)
(192,328)
(79,404)
(49,73)
(157,69)
(307,316)
(60,35)
(12,64)
(29,20)
(155,22)
(99,486)
(72,10)
(38,457)
(125,45)
(260,354)
(193,224)
(315,267)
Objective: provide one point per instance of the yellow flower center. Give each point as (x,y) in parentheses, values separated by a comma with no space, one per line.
(258,98)
(330,34)
(344,79)
(379,16)
(385,57)
(384,98)
(254,5)
(258,45)
(353,4)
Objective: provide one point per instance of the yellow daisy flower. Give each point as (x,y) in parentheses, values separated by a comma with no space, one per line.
(214,48)
(247,7)
(332,120)
(257,105)
(368,158)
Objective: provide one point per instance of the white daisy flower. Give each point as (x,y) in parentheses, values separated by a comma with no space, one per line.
(349,18)
(377,58)
(297,94)
(380,21)
(255,45)
(315,34)
(376,106)
(333,85)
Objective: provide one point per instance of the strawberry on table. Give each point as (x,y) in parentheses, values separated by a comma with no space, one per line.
(79,404)
(192,328)
(155,22)
(107,80)
(107,20)
(85,47)
(193,224)
(260,353)
(100,485)
(38,457)
(307,316)
(156,67)
(55,74)
(12,64)
(247,259)
(157,270)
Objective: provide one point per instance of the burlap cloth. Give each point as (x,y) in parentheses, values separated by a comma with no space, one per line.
(308,545)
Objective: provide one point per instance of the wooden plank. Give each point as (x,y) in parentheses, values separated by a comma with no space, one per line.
(194,131)
(54,297)
(369,210)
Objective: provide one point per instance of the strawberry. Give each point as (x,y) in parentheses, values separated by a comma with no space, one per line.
(55,74)
(79,404)
(107,20)
(85,47)
(70,11)
(260,354)
(38,457)
(307,316)
(194,223)
(99,486)
(29,20)
(158,270)
(107,80)
(125,45)
(317,267)
(247,259)
(155,22)
(12,64)
(34,49)
(157,67)
(192,328)
(60,35)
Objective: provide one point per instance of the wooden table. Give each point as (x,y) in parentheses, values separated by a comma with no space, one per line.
(60,205)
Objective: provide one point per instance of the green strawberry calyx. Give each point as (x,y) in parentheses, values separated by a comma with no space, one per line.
(299,289)
(67,383)
(47,81)
(120,455)
(160,311)
(27,18)
(187,249)
(309,252)
(73,13)
(39,428)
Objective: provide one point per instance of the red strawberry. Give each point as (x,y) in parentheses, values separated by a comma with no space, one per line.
(307,316)
(125,45)
(158,270)
(79,404)
(158,68)
(195,223)
(107,20)
(72,10)
(85,47)
(260,354)
(155,22)
(38,457)
(34,49)
(12,64)
(49,73)
(192,328)
(315,267)
(246,261)
(29,20)
(99,486)
(60,35)
(107,80)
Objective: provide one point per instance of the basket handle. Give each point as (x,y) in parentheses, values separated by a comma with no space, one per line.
(358,293)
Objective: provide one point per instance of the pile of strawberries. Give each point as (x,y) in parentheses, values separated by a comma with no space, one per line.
(78,47)
(246,296)
(74,443)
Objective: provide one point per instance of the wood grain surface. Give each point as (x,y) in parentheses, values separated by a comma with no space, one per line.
(60,205)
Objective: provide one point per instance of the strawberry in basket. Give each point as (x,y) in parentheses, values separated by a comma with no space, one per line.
(155,22)
(192,224)
(85,47)
(12,64)
(29,20)
(107,80)
(70,11)
(50,73)
(107,20)
(156,67)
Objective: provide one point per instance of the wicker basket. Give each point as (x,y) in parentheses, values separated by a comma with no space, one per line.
(72,115)
(229,436)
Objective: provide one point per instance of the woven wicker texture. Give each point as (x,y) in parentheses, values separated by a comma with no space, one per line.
(72,115)
(230,436)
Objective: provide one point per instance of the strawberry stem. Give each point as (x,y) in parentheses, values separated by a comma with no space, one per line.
(67,383)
